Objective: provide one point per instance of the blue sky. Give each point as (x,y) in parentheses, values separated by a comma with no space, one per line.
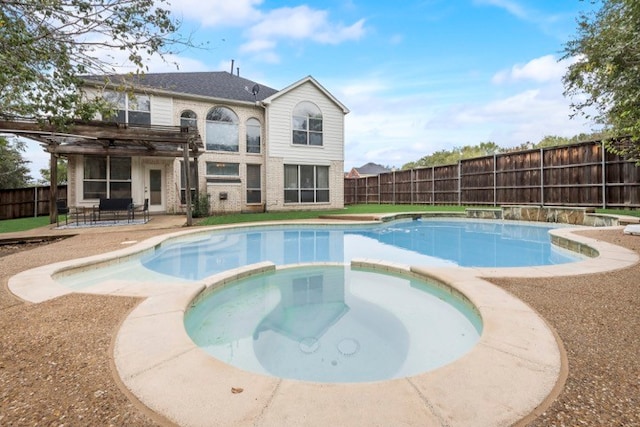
(418,76)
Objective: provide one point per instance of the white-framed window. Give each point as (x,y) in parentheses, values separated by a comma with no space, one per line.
(223,169)
(254,184)
(307,124)
(306,184)
(254,131)
(130,109)
(189,119)
(192,181)
(222,130)
(106,177)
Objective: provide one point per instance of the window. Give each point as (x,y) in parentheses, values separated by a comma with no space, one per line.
(222,130)
(192,181)
(307,124)
(129,109)
(306,184)
(106,177)
(189,119)
(253,136)
(254,190)
(223,169)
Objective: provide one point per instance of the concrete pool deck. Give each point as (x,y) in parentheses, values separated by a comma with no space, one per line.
(452,395)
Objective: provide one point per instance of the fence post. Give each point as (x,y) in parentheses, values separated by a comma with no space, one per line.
(604,176)
(366,190)
(459,182)
(541,176)
(393,188)
(355,192)
(495,176)
(433,185)
(411,172)
(35,203)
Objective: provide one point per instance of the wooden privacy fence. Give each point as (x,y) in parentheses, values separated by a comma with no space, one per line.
(25,202)
(576,175)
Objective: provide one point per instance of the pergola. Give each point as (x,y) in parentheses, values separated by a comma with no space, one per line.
(113,139)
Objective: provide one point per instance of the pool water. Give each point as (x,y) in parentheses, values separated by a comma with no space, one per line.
(427,242)
(333,324)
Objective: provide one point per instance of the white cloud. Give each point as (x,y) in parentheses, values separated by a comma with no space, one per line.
(302,22)
(542,70)
(263,28)
(510,6)
(210,13)
(551,24)
(257,45)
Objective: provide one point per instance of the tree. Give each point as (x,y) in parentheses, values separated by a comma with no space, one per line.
(46,45)
(448,157)
(603,80)
(61,173)
(14,172)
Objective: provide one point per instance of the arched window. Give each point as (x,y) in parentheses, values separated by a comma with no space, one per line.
(222,130)
(253,136)
(189,119)
(307,124)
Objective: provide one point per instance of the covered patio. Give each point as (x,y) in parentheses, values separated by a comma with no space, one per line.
(97,138)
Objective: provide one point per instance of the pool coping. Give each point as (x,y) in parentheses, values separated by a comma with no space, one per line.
(505,377)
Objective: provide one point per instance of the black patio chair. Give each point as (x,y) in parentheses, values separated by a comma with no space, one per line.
(144,209)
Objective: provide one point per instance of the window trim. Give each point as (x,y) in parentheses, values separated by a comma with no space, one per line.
(259,126)
(193,119)
(125,105)
(193,164)
(300,125)
(255,189)
(234,122)
(299,189)
(107,180)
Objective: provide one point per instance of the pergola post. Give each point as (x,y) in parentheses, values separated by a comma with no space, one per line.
(53,189)
(187,179)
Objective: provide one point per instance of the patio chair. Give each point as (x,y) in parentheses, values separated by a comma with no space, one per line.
(140,208)
(62,209)
(145,210)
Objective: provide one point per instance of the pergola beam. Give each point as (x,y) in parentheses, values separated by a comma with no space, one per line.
(109,139)
(106,131)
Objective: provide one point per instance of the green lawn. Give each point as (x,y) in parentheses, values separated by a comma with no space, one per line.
(619,212)
(22,224)
(353,209)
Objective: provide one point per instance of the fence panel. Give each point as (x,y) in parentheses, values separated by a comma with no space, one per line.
(477,181)
(423,186)
(577,175)
(27,202)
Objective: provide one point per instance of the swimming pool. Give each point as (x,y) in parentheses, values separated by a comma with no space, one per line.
(426,242)
(330,323)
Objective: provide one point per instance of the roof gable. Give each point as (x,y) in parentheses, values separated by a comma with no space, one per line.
(301,82)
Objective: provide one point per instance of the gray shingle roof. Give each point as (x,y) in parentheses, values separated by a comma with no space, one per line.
(215,84)
(372,169)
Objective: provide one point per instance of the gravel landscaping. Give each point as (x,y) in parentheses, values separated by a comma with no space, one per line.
(56,364)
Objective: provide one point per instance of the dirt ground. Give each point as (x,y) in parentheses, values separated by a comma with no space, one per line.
(56,364)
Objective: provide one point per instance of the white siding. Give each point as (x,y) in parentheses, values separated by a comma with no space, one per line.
(281,151)
(161,111)
(280,132)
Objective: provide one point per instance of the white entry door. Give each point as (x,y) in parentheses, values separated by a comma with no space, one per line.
(153,188)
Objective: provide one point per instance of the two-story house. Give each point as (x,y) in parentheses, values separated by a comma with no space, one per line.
(264,149)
